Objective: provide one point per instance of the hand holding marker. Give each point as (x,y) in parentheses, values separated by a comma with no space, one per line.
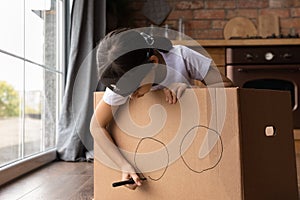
(130,181)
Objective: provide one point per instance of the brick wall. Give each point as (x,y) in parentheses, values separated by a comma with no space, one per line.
(205,19)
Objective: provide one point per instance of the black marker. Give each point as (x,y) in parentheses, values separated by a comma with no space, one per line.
(130,181)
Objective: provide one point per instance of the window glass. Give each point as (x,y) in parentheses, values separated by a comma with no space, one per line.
(40,32)
(34,104)
(11,90)
(12,26)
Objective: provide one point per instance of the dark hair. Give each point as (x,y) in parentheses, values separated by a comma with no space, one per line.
(127,51)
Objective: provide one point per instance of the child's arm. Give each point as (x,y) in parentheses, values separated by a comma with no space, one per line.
(174,92)
(101,118)
(214,78)
(201,67)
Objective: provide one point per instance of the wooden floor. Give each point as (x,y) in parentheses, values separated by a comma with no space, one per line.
(55,181)
(61,181)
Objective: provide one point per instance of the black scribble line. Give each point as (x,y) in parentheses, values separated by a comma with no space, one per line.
(167,163)
(209,168)
(180,152)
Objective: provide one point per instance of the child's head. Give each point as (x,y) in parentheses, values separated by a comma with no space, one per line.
(123,58)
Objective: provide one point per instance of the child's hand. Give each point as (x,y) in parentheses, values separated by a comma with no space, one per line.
(130,173)
(174,92)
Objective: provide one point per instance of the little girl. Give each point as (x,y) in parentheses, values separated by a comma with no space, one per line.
(130,64)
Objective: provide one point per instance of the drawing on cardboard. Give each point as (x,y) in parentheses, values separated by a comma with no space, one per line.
(210,130)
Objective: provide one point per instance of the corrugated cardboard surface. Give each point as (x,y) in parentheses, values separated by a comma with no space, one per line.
(243,164)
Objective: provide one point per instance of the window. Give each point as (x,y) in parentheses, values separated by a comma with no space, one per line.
(30,78)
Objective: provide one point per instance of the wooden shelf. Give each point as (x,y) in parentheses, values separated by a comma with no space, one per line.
(234,42)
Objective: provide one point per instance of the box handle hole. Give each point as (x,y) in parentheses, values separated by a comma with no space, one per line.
(270,131)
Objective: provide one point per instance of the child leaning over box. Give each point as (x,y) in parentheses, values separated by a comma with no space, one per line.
(130,64)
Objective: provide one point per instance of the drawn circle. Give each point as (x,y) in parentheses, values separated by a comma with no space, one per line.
(185,161)
(136,152)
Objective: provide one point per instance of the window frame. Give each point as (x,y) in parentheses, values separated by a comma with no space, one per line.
(27,164)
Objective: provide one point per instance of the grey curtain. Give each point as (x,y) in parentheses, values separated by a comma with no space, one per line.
(87,27)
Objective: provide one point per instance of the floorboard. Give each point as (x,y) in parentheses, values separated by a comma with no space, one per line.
(57,180)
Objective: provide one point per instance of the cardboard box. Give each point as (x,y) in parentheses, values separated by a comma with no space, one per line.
(214,144)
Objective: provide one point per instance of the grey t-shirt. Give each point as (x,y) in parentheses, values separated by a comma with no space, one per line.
(183,66)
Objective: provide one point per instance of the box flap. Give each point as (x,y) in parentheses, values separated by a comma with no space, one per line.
(268,154)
